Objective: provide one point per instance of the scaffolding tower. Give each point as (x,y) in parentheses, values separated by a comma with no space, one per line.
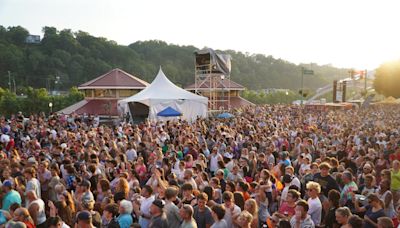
(212,78)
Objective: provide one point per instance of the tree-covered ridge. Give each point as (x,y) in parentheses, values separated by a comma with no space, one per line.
(71,58)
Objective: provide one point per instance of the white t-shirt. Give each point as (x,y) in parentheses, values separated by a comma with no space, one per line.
(214,162)
(192,182)
(315,210)
(296,182)
(230,165)
(179,173)
(220,224)
(229,214)
(284,194)
(131,154)
(34,185)
(145,207)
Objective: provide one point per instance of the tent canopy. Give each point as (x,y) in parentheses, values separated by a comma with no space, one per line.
(225,115)
(169,112)
(162,93)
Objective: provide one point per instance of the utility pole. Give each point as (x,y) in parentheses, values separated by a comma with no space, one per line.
(365,83)
(9,80)
(302,84)
(15,86)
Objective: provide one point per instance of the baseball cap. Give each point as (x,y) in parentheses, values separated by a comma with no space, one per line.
(84,215)
(7,183)
(228,155)
(32,160)
(159,203)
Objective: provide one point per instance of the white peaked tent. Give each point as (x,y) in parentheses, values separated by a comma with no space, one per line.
(162,93)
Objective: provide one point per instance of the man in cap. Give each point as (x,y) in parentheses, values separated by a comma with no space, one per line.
(158,219)
(84,220)
(87,195)
(11,196)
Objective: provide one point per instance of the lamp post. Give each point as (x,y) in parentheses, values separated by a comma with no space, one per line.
(302,85)
(286,97)
(9,80)
(223,92)
(51,107)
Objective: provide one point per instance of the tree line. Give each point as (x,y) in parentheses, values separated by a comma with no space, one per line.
(34,101)
(64,59)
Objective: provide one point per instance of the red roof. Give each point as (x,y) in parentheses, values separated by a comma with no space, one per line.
(115,78)
(221,84)
(101,107)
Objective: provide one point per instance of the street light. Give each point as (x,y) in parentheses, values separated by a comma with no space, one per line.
(51,107)
(223,92)
(286,97)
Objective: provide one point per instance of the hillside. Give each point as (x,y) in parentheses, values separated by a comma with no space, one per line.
(65,58)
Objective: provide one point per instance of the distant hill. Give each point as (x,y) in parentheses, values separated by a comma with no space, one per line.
(65,58)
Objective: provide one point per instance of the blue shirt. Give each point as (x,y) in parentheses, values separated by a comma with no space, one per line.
(10,198)
(125,220)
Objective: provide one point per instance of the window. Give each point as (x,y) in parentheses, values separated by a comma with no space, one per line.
(88,92)
(126,92)
(104,93)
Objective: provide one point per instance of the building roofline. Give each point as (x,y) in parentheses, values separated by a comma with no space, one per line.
(116,69)
(110,87)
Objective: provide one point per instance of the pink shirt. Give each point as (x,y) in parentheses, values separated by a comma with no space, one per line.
(286,209)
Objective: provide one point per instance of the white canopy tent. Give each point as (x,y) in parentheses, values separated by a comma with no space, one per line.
(162,93)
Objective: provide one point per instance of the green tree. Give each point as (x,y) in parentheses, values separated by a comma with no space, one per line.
(17,35)
(8,102)
(387,78)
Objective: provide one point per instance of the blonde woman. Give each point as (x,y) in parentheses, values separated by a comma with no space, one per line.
(314,204)
(245,219)
(251,207)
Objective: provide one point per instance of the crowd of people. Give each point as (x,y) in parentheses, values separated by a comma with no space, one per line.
(268,166)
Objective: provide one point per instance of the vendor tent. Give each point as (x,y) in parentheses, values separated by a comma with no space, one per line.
(225,115)
(159,95)
(169,112)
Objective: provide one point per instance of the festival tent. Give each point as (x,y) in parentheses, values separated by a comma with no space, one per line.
(161,94)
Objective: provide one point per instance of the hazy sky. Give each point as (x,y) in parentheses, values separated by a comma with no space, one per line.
(345,33)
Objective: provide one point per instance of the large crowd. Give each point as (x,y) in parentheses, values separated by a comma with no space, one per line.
(268,166)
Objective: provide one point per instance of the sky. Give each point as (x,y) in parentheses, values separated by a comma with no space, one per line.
(345,33)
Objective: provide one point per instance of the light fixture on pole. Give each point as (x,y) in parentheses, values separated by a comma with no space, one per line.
(51,107)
